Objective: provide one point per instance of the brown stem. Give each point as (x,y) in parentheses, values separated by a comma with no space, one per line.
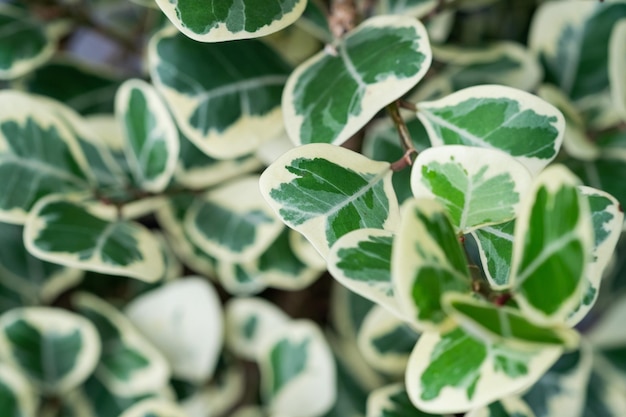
(394,112)
(407,105)
(343,17)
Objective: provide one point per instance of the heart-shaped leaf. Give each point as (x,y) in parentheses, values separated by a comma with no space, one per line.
(57,350)
(223,20)
(505,407)
(324,192)
(617,66)
(331,96)
(427,262)
(183,319)
(24,44)
(297,371)
(38,155)
(454,372)
(234,230)
(506,325)
(152,143)
(392,401)
(386,342)
(495,247)
(224,105)
(361,260)
(478,187)
(16,394)
(129,364)
(498,117)
(88,235)
(552,247)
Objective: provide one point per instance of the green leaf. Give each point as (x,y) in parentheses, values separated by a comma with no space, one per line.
(220,20)
(505,407)
(495,247)
(361,261)
(95,399)
(604,396)
(183,319)
(506,325)
(348,311)
(296,361)
(88,235)
(607,219)
(154,407)
(332,95)
(235,230)
(38,155)
(392,401)
(416,8)
(240,279)
(324,191)
(617,66)
(427,262)
(17,397)
(32,277)
(498,117)
(478,187)
(57,350)
(152,143)
(562,390)
(605,174)
(24,44)
(454,372)
(572,42)
(226,110)
(129,364)
(248,322)
(314,21)
(553,244)
(386,341)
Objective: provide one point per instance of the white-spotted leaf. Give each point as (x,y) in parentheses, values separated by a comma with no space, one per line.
(478,187)
(224,20)
(497,117)
(331,96)
(88,235)
(324,191)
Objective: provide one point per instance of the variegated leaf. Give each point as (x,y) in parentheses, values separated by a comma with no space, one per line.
(495,247)
(498,117)
(154,407)
(552,247)
(392,401)
(57,350)
(617,66)
(224,20)
(331,96)
(224,105)
(478,187)
(427,261)
(324,192)
(17,396)
(85,234)
(505,407)
(240,279)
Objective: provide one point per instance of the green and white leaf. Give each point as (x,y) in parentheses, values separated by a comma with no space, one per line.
(478,187)
(416,8)
(552,247)
(347,312)
(505,407)
(386,341)
(605,395)
(57,350)
(314,21)
(506,63)
(24,43)
(427,261)
(498,117)
(453,372)
(88,235)
(154,407)
(17,396)
(129,364)
(219,20)
(297,371)
(248,321)
(495,247)
(325,191)
(505,325)
(361,261)
(571,39)
(305,251)
(605,174)
(30,276)
(152,145)
(226,110)
(392,401)
(183,319)
(331,96)
(607,219)
(240,279)
(617,66)
(562,390)
(39,155)
(233,229)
